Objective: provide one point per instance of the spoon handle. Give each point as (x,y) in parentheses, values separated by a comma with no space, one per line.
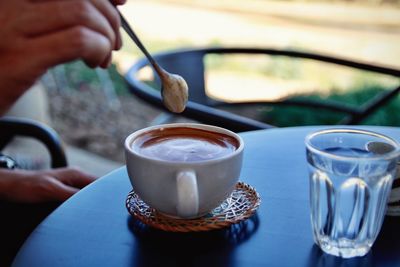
(133,36)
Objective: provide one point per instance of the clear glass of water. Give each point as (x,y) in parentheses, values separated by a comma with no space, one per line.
(351,175)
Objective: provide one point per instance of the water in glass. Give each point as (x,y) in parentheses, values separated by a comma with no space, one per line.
(348,196)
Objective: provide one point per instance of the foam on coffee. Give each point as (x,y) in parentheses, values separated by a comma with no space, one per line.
(184,144)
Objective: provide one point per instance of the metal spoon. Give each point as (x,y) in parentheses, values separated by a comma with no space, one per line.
(174,89)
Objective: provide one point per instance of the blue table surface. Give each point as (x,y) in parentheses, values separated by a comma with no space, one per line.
(93,228)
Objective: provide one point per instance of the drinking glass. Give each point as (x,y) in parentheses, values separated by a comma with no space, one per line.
(351,175)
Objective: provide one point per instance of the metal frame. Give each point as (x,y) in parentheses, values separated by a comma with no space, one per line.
(204,109)
(11,127)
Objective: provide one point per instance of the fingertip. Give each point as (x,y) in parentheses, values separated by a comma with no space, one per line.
(118,43)
(91,65)
(62,191)
(68,192)
(107,62)
(119,2)
(91,177)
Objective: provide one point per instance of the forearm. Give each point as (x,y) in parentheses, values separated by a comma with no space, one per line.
(15,80)
(8,98)
(7,180)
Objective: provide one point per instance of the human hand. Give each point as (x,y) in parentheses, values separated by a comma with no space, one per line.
(39,34)
(41,186)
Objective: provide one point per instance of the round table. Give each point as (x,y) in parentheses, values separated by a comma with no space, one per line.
(93,228)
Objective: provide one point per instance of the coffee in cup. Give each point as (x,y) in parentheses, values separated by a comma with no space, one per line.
(184,170)
(184,144)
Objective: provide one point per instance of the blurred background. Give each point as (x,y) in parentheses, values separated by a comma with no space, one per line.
(93,110)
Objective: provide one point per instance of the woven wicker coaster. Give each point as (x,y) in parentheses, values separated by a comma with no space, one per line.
(241,205)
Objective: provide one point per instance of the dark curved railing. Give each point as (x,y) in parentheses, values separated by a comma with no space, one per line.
(12,127)
(189,64)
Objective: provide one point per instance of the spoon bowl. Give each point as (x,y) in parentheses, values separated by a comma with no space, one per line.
(174,89)
(175,96)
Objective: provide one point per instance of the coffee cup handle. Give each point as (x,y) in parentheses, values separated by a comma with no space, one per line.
(188,196)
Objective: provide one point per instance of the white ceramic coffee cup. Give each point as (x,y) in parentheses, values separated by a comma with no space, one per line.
(183,189)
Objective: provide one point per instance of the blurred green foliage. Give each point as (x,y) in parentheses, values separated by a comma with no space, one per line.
(284,116)
(80,77)
(338,84)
